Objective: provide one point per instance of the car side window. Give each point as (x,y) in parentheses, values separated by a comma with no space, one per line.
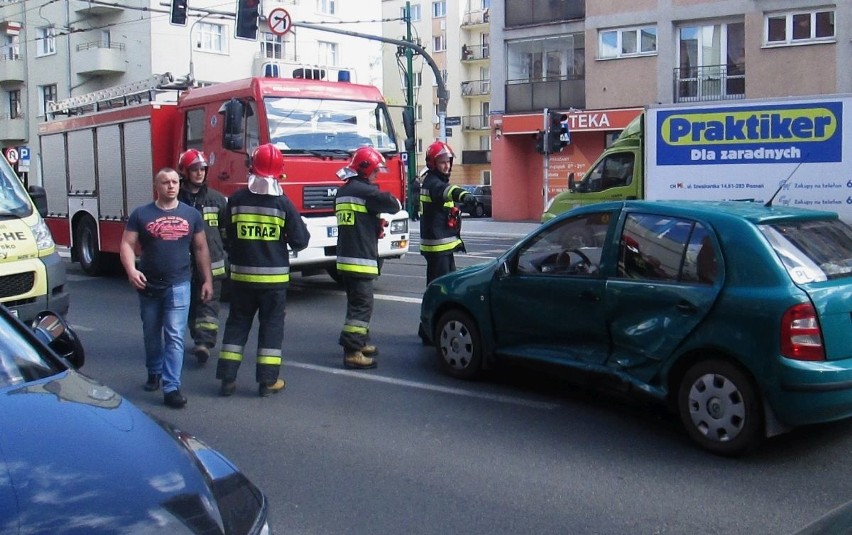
(663,248)
(572,247)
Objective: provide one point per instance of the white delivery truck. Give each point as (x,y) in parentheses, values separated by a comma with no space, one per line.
(795,151)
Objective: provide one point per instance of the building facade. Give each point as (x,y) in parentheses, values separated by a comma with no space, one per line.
(602,61)
(52,50)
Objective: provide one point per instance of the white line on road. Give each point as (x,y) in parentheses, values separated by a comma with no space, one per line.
(425,386)
(398,298)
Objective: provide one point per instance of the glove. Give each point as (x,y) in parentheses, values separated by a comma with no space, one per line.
(469,200)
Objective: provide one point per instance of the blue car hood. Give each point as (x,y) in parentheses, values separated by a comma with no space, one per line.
(75,457)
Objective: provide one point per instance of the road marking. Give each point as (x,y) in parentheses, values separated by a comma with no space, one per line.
(425,386)
(398,298)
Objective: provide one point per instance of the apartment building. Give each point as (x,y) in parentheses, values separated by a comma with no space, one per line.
(52,50)
(601,61)
(456,35)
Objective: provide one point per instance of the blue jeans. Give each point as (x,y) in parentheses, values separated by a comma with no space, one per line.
(163,325)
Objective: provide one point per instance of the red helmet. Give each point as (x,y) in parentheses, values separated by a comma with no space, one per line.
(190,159)
(366,160)
(267,160)
(436,149)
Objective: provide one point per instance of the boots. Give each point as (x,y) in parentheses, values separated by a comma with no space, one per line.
(358,361)
(228,388)
(370,351)
(202,353)
(153,382)
(266,389)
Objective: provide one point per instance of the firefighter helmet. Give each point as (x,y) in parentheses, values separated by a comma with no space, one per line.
(189,160)
(366,160)
(267,161)
(436,150)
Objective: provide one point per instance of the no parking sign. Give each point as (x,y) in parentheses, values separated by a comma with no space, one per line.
(12,155)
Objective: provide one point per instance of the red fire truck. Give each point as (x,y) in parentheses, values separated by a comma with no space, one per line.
(99,153)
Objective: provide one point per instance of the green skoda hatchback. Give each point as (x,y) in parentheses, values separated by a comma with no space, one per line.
(736,315)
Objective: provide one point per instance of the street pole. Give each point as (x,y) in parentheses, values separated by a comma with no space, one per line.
(191,47)
(413,194)
(546,178)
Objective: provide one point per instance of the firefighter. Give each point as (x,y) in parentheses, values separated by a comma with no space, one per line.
(440,222)
(261,223)
(194,191)
(358,206)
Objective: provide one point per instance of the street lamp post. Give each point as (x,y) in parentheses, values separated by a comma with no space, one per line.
(191,47)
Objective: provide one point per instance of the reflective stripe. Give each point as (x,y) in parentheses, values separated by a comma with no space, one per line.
(271,357)
(267,275)
(206,326)
(260,279)
(439,246)
(355,329)
(357,265)
(258,218)
(228,355)
(269,361)
(218,267)
(218,271)
(259,210)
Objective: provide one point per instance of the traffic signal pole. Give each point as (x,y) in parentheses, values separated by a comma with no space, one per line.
(546,178)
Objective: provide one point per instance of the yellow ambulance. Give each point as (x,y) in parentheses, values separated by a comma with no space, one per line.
(32,275)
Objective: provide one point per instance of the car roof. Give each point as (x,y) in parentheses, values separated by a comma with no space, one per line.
(754,212)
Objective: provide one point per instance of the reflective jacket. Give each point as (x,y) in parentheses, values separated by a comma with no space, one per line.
(437,199)
(260,227)
(212,206)
(358,206)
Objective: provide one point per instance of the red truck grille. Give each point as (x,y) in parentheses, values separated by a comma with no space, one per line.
(17,284)
(319,197)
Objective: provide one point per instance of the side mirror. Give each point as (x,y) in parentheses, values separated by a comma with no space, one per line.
(39,197)
(232,113)
(58,335)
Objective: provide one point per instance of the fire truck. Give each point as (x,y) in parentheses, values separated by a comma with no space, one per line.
(100,151)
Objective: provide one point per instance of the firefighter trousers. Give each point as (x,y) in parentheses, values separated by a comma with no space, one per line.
(204,317)
(270,306)
(359,310)
(439,264)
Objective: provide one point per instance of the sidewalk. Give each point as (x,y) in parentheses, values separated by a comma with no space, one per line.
(488,227)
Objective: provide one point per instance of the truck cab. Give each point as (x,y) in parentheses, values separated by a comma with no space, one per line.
(615,176)
(32,275)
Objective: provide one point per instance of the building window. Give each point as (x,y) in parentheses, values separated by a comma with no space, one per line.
(558,58)
(211,38)
(271,45)
(627,42)
(45,41)
(417,79)
(419,112)
(485,177)
(327,53)
(419,145)
(15,104)
(711,62)
(799,27)
(439,9)
(46,93)
(415,13)
(439,43)
(326,7)
(11,48)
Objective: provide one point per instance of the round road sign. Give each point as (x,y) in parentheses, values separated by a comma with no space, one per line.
(280,21)
(12,155)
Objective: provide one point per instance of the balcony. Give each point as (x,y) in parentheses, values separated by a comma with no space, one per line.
(563,93)
(475,20)
(476,156)
(475,122)
(709,82)
(532,12)
(98,58)
(11,69)
(476,88)
(91,9)
(475,52)
(12,128)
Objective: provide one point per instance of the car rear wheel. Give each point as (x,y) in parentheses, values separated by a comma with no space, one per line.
(479,210)
(459,344)
(720,408)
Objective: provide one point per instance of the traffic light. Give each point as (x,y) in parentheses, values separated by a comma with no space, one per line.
(246,25)
(177,14)
(557,131)
(539,143)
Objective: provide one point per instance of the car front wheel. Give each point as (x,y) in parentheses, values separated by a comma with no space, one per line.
(459,344)
(720,408)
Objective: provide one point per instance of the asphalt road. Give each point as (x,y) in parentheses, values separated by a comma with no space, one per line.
(405,449)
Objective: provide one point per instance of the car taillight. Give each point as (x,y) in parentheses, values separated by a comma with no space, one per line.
(801,338)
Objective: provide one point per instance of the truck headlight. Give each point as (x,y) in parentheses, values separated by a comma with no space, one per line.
(398,226)
(43,238)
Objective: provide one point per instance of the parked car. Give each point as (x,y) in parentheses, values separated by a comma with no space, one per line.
(482,208)
(736,315)
(78,458)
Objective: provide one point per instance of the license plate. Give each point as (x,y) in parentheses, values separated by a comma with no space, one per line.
(332,232)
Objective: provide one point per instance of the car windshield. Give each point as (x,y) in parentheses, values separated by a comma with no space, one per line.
(13,197)
(21,359)
(321,125)
(813,251)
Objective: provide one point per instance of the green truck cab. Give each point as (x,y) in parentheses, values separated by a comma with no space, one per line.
(32,274)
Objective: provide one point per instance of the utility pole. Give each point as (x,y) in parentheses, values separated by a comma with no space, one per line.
(413,196)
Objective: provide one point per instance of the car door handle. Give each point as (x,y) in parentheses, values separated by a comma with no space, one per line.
(589,295)
(686,308)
